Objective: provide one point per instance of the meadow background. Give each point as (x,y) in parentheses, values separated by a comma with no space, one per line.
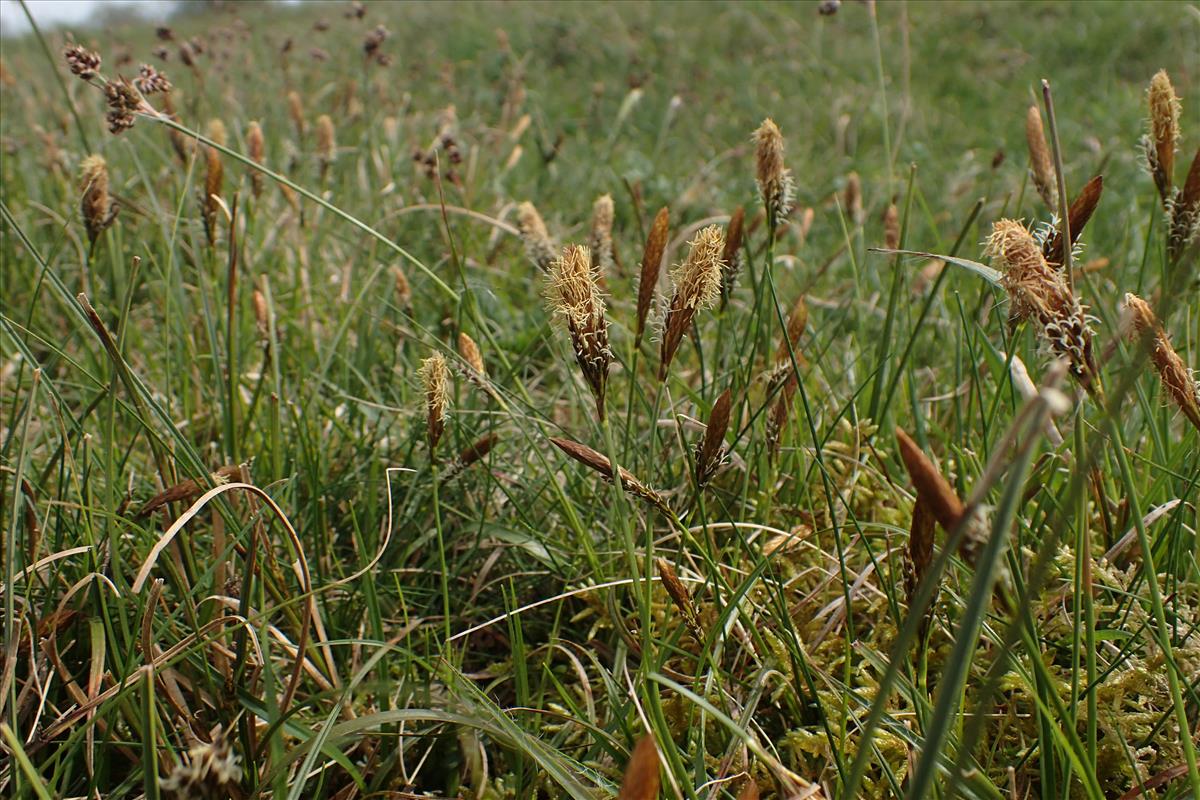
(490,619)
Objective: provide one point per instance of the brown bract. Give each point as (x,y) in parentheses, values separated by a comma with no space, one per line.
(656,244)
(1077,217)
(711,452)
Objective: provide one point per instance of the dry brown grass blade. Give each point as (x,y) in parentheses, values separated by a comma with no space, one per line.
(1081,211)
(712,448)
(641,779)
(652,256)
(599,463)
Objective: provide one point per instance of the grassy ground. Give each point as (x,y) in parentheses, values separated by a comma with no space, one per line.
(484,627)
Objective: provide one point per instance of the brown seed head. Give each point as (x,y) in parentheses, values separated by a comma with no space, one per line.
(774,180)
(82,62)
(1177,380)
(538,245)
(1164,131)
(891,227)
(326,146)
(853,199)
(697,283)
(1040,294)
(123,103)
(296,112)
(435,377)
(601,241)
(96,206)
(470,353)
(1041,167)
(599,462)
(255,149)
(656,244)
(262,319)
(574,296)
(151,81)
(403,288)
(214,175)
(679,595)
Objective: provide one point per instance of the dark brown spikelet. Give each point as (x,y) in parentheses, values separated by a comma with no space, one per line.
(710,454)
(641,774)
(1041,295)
(679,596)
(598,462)
(919,554)
(939,498)
(796,325)
(697,283)
(652,256)
(1041,167)
(255,149)
(1081,211)
(262,317)
(435,378)
(185,491)
(731,258)
(472,453)
(1163,137)
(575,296)
(777,421)
(1177,380)
(1185,214)
(96,205)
